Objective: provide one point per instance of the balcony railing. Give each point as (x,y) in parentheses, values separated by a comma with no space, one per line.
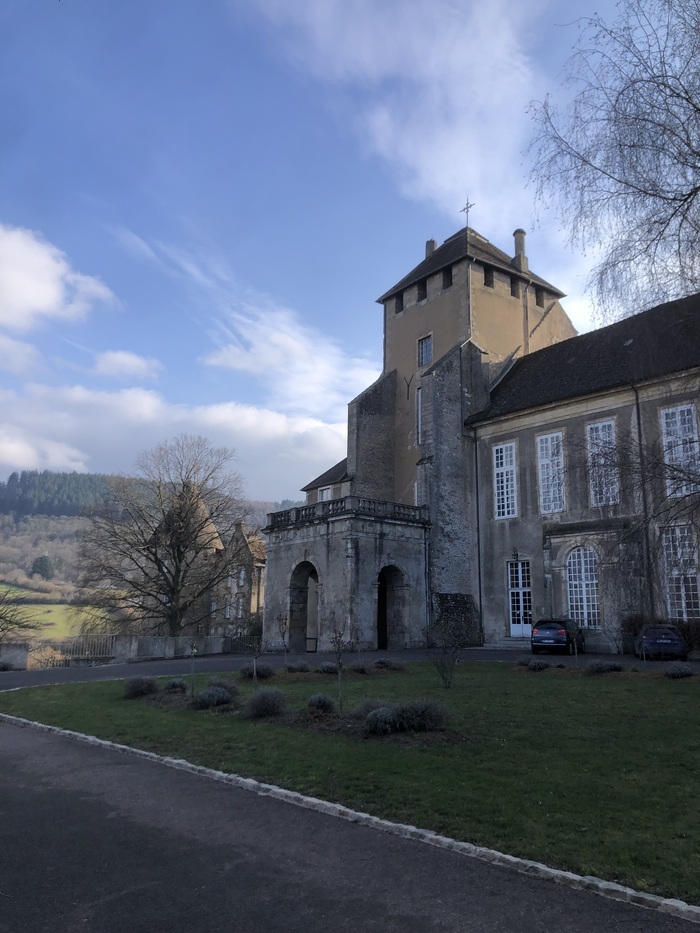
(348,505)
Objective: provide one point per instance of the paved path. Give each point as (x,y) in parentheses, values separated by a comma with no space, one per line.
(97,841)
(223,663)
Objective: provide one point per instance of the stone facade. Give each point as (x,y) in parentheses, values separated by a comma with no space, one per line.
(502,459)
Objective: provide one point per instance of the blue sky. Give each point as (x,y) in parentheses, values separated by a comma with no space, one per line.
(200,204)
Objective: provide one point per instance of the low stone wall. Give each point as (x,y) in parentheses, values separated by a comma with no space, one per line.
(14,655)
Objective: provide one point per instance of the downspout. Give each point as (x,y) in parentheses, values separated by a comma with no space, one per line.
(645,506)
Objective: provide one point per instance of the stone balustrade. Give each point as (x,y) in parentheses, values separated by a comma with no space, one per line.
(348,505)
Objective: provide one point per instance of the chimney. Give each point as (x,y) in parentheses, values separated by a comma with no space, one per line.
(520,259)
(430,247)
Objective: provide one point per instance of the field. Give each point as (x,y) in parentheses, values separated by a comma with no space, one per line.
(595,774)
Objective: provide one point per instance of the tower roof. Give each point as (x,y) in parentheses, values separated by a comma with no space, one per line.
(454,250)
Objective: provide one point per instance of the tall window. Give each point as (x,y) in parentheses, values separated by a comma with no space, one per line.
(603,481)
(504,481)
(681,450)
(582,585)
(422,290)
(550,469)
(520,596)
(425,350)
(447,277)
(419,416)
(680,550)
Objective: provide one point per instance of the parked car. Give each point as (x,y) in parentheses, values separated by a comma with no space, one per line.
(660,641)
(557,635)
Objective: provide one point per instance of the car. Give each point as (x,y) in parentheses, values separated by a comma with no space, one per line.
(659,640)
(557,635)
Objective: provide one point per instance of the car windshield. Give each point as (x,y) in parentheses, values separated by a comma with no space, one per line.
(554,626)
(660,633)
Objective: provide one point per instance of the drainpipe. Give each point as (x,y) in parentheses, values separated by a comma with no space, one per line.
(645,506)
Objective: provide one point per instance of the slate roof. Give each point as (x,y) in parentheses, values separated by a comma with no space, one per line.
(336,474)
(656,343)
(256,545)
(453,250)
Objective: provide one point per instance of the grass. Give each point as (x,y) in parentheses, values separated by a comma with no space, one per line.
(58,620)
(595,775)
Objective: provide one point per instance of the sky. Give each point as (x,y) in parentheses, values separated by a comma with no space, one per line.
(201,202)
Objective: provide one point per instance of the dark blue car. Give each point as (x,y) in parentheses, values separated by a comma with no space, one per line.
(557,635)
(660,641)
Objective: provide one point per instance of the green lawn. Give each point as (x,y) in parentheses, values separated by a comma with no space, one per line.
(598,775)
(58,619)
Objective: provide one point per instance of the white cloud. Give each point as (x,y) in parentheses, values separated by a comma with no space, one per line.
(76,428)
(126,365)
(16,356)
(37,282)
(443,102)
(300,369)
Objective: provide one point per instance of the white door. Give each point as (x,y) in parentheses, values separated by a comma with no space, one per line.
(520,598)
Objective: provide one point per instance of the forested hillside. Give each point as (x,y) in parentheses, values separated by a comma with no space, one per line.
(48,493)
(40,521)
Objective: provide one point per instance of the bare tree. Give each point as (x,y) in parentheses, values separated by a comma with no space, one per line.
(345,637)
(622,155)
(15,620)
(456,621)
(158,552)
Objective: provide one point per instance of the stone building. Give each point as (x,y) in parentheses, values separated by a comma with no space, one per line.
(371,541)
(237,606)
(501,459)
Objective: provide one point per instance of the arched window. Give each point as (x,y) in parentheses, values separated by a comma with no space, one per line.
(582,584)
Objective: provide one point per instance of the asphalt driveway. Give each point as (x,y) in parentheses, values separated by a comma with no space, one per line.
(99,841)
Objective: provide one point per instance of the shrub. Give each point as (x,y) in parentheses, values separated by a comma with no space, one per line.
(6,666)
(328,668)
(359,668)
(228,685)
(537,665)
(264,671)
(211,696)
(298,667)
(386,664)
(678,670)
(136,687)
(366,707)
(380,721)
(266,702)
(176,685)
(421,716)
(603,667)
(523,662)
(320,703)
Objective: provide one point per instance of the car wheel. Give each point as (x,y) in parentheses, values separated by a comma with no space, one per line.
(535,650)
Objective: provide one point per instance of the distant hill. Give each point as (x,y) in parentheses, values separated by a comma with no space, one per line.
(40,515)
(56,494)
(73,494)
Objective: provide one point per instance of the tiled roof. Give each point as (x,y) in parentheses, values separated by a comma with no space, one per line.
(454,250)
(656,343)
(336,474)
(256,544)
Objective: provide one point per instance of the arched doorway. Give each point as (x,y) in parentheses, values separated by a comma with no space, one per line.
(390,593)
(303,607)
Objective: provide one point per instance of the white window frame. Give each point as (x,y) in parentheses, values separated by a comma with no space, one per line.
(425,350)
(679,430)
(550,472)
(603,477)
(519,597)
(582,587)
(324,494)
(505,481)
(680,550)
